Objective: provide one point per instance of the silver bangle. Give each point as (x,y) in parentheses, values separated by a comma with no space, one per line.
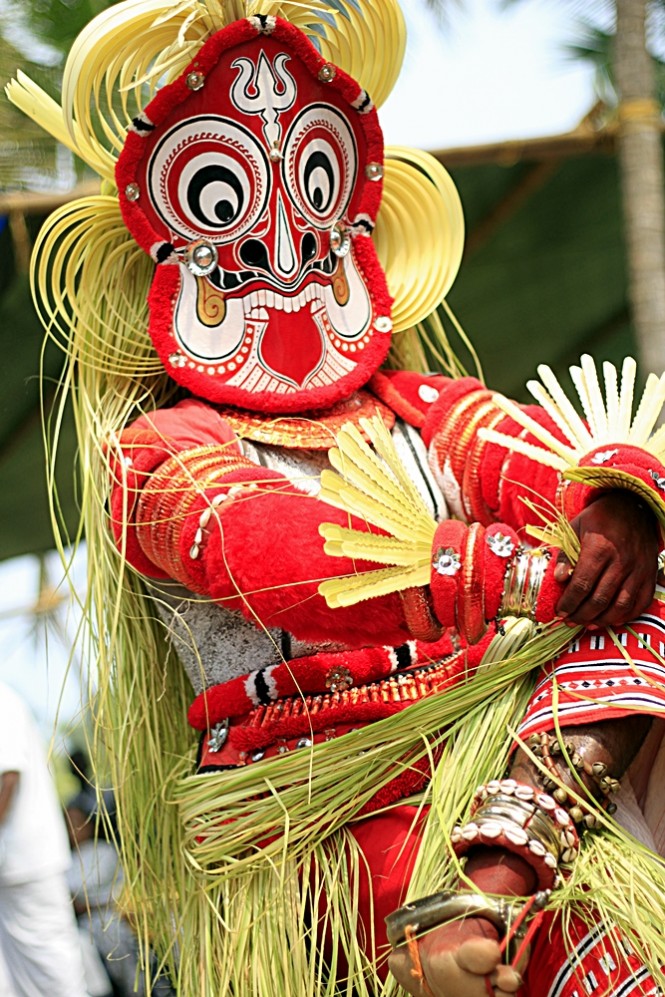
(523,582)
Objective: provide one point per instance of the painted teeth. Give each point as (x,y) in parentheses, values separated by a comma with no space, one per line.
(272,299)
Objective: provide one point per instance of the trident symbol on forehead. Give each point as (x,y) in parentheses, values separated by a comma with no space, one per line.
(264,89)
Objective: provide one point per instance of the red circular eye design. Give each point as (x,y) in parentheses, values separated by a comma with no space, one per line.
(320,164)
(208,177)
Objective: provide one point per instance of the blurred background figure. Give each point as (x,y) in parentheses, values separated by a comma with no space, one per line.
(94,879)
(38,937)
(110,948)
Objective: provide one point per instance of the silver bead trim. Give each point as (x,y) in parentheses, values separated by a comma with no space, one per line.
(195,80)
(201,257)
(219,734)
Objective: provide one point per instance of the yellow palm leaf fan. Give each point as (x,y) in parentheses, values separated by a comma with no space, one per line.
(369,45)
(608,421)
(100,323)
(373,485)
(419,234)
(117,63)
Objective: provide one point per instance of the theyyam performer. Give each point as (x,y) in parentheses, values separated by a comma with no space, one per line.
(379,664)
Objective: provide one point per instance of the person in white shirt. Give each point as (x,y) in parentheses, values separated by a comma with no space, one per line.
(38,936)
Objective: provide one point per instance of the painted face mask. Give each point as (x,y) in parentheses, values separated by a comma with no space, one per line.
(254,181)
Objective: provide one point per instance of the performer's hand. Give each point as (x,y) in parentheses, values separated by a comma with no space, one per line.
(614,578)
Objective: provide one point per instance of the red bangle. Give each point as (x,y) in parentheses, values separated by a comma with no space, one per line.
(446,569)
(471,597)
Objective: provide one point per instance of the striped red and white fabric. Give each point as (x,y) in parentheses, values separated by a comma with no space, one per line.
(603,675)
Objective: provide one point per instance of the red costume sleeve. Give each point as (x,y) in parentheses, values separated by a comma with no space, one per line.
(482,481)
(186,504)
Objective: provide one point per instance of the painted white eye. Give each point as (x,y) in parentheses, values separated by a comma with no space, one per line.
(319,164)
(208,177)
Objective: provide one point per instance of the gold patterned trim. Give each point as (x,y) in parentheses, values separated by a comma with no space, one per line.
(315,432)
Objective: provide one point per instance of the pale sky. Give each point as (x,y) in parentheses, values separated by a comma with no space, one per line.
(493,75)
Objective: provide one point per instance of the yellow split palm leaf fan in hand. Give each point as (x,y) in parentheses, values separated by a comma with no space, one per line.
(374,486)
(600,449)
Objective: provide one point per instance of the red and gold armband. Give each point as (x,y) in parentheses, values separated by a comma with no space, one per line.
(179,500)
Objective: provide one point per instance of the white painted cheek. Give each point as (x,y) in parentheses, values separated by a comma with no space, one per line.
(203,342)
(352,320)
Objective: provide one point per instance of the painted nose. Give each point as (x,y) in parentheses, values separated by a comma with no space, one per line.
(285,259)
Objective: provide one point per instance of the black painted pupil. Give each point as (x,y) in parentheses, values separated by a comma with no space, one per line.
(225,210)
(318,198)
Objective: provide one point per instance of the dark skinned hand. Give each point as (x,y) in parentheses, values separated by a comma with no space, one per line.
(614,578)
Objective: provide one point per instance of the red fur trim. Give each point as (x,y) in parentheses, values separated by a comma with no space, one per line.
(447,569)
(401,390)
(496,566)
(450,392)
(162,300)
